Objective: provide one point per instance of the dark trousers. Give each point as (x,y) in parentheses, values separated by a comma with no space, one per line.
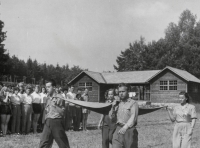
(107,135)
(127,140)
(54,129)
(78,118)
(16,118)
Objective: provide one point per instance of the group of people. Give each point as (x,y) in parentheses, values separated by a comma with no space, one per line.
(118,126)
(22,109)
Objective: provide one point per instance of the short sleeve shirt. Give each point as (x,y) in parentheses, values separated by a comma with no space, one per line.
(54,111)
(36,97)
(71,95)
(185,113)
(43,98)
(28,99)
(15,99)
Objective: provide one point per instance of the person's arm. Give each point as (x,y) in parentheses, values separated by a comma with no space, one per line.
(101,121)
(132,120)
(113,111)
(171,116)
(60,105)
(6,99)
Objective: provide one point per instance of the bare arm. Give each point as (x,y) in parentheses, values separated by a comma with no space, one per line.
(171,116)
(101,121)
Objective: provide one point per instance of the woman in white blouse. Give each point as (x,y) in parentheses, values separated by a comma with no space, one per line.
(16,101)
(36,107)
(43,104)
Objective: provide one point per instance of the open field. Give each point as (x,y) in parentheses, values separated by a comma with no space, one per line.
(155,131)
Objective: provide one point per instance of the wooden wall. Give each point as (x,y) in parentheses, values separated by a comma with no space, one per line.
(166,96)
(194,92)
(94,94)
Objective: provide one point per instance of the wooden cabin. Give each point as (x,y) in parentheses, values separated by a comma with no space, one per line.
(150,85)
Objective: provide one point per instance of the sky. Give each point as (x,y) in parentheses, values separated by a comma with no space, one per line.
(87,33)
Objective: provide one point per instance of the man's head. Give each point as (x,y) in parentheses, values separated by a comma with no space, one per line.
(50,85)
(123,91)
(72,89)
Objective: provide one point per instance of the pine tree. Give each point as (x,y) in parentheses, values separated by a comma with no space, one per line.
(4,57)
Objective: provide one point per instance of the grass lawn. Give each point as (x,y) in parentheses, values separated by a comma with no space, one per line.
(155,131)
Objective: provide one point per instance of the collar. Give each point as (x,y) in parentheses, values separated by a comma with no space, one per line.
(127,100)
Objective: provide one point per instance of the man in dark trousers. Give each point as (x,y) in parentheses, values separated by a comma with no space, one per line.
(54,126)
(125,113)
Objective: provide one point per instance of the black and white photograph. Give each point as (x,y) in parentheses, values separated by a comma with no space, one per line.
(99,74)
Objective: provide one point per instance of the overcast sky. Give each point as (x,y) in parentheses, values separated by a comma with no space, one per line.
(88,33)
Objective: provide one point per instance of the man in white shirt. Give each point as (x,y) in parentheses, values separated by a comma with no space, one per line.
(72,108)
(16,101)
(27,110)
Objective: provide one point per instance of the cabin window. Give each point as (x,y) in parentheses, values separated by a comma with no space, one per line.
(168,85)
(163,85)
(173,85)
(83,85)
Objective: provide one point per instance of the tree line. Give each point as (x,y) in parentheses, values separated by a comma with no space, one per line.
(30,71)
(180,48)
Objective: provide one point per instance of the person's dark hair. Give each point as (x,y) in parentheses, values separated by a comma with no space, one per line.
(53,82)
(44,88)
(187,96)
(124,85)
(15,88)
(65,89)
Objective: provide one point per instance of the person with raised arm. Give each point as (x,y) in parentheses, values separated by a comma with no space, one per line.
(125,113)
(184,116)
(54,123)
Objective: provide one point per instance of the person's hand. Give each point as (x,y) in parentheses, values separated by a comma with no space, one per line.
(99,126)
(115,103)
(59,102)
(122,130)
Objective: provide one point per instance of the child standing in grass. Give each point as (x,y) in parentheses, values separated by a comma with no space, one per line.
(109,125)
(184,116)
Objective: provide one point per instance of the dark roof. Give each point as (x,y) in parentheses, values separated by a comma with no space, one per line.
(182,73)
(135,77)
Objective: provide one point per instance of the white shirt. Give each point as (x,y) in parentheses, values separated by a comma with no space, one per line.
(28,99)
(36,97)
(22,96)
(43,97)
(71,95)
(15,99)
